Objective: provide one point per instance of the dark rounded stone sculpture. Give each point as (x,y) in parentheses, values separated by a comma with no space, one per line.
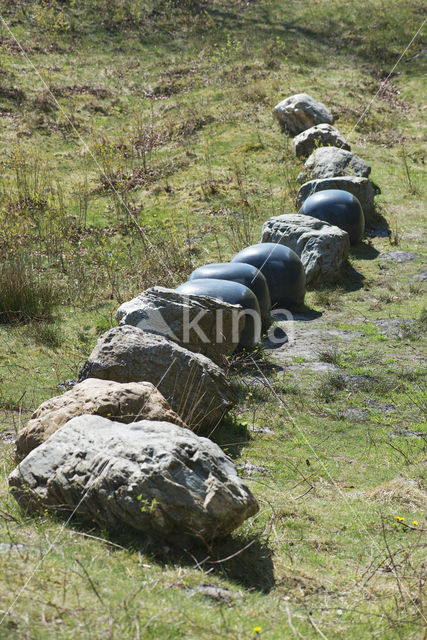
(233,293)
(242,273)
(338,207)
(282,269)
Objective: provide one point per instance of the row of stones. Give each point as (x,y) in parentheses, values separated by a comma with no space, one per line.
(335,202)
(118,445)
(330,164)
(127,459)
(181,385)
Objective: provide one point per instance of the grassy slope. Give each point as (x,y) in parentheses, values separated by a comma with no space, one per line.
(333,561)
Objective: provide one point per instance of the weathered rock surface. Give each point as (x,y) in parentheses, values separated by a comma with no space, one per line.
(396,327)
(330,162)
(322,247)
(121,402)
(361,188)
(419,277)
(300,112)
(213,592)
(321,135)
(152,476)
(171,314)
(398,256)
(354,415)
(195,387)
(309,343)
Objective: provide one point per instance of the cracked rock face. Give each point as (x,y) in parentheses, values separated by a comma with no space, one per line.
(186,319)
(121,402)
(196,388)
(330,162)
(154,477)
(322,247)
(321,135)
(300,112)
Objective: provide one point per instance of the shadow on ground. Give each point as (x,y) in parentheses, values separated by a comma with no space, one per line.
(302,314)
(231,436)
(351,279)
(364,251)
(245,560)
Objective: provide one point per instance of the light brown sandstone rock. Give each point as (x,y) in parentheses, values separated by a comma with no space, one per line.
(121,402)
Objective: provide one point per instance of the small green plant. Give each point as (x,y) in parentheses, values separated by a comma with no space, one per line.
(412,188)
(147,506)
(394,237)
(50,17)
(329,386)
(223,53)
(47,333)
(5,62)
(331,356)
(275,53)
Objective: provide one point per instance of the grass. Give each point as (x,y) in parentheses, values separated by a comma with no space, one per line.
(137,143)
(23,295)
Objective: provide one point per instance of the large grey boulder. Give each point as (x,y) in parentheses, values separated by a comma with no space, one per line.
(321,135)
(121,402)
(198,323)
(300,112)
(322,247)
(330,162)
(195,387)
(152,476)
(361,188)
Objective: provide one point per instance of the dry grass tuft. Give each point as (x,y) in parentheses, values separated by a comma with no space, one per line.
(23,294)
(399,491)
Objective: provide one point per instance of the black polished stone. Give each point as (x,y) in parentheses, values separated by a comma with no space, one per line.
(242,273)
(282,269)
(233,293)
(338,207)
